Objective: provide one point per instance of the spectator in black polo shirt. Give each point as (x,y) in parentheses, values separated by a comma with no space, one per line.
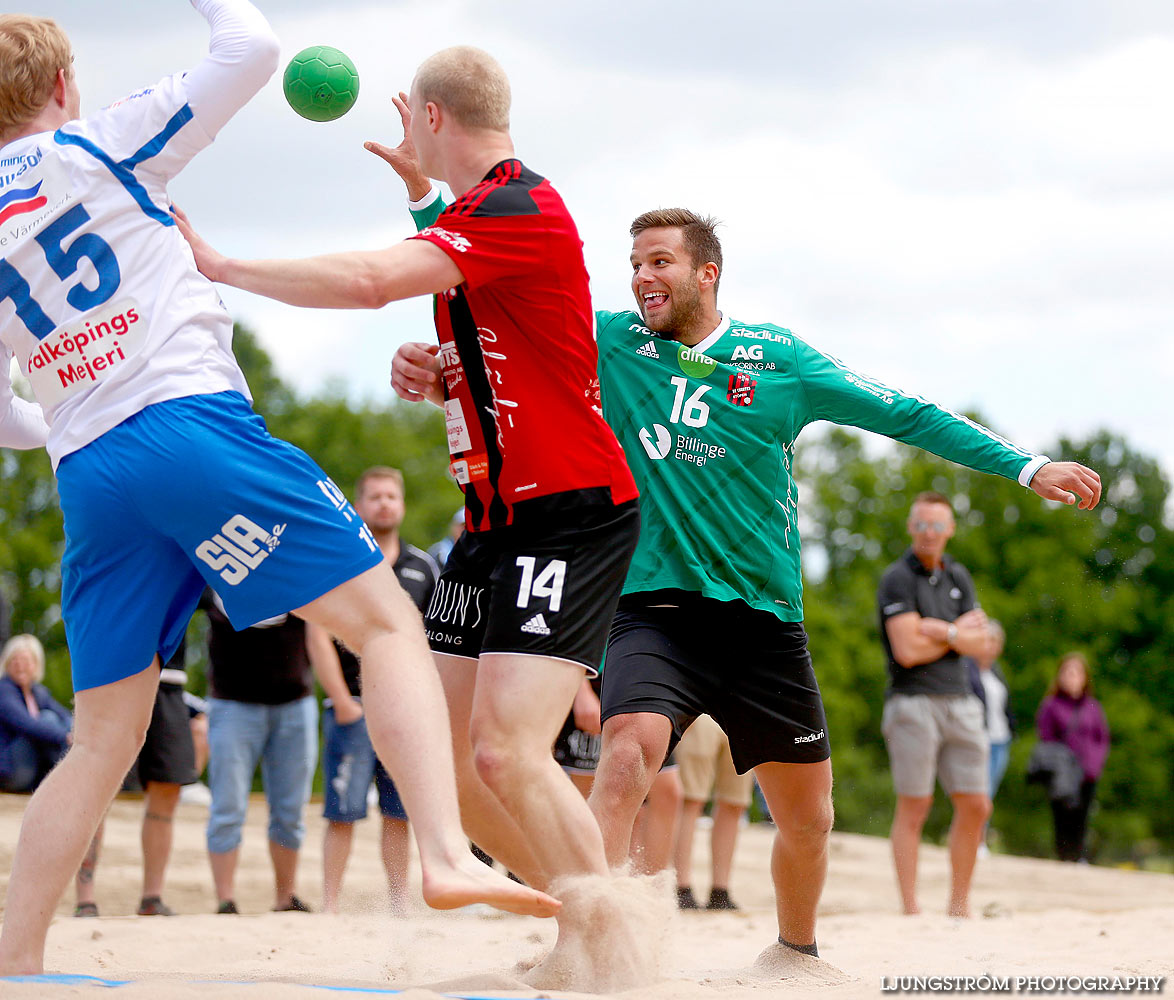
(348,760)
(933,723)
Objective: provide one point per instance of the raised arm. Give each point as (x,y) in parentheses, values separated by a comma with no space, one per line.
(242,55)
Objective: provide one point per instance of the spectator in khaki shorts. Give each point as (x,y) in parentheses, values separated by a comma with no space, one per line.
(933,724)
(707,767)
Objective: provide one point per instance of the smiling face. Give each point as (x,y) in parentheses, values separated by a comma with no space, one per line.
(667,283)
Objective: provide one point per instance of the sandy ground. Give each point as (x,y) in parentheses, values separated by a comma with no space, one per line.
(1033,918)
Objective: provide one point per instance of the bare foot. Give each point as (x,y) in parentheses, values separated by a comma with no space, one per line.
(465,883)
(959,910)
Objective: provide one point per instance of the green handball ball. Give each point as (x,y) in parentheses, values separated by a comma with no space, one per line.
(321,83)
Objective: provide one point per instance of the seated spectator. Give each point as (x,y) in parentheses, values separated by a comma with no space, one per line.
(35,731)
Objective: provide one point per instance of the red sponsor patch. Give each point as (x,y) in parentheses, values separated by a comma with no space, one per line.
(741,389)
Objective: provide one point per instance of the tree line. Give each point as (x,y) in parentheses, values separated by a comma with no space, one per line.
(1057,579)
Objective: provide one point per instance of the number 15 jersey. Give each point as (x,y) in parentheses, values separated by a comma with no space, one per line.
(100,300)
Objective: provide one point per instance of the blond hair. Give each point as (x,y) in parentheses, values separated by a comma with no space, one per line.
(32,50)
(24,644)
(470,84)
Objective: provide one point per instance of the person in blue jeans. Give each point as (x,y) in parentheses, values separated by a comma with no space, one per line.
(349,763)
(34,729)
(261,710)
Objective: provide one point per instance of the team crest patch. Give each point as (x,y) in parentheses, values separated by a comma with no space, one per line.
(741,389)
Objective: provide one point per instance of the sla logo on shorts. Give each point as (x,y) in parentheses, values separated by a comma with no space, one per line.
(238,548)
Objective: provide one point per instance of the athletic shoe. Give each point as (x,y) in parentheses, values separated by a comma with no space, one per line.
(227,906)
(719,899)
(153,906)
(685,900)
(196,793)
(294,905)
(85,910)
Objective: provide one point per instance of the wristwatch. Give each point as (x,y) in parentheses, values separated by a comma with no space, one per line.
(951,634)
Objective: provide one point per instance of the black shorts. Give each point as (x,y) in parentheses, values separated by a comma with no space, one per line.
(168,753)
(546,585)
(747,669)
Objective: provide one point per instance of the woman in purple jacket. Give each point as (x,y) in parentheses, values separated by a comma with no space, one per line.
(34,729)
(1070,714)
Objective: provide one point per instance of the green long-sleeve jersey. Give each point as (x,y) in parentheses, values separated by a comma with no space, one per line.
(709,432)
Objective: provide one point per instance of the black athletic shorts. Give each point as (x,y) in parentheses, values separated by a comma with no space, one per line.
(546,585)
(168,753)
(746,668)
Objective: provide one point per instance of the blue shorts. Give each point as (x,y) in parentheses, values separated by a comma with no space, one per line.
(349,764)
(189,492)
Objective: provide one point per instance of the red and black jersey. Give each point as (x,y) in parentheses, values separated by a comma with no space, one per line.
(518,351)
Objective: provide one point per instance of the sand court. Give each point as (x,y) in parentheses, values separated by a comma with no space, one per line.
(1033,919)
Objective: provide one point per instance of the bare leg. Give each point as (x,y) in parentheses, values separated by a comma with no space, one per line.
(162,798)
(110,723)
(408,723)
(800,801)
(84,884)
(336,850)
(199,728)
(683,856)
(396,853)
(908,820)
(285,872)
(634,747)
(970,816)
(224,873)
(484,817)
(723,839)
(519,705)
(659,823)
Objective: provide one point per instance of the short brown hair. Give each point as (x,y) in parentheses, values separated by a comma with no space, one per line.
(470,84)
(378,472)
(931,496)
(32,50)
(697,233)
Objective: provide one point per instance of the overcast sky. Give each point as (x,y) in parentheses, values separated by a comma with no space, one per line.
(973,201)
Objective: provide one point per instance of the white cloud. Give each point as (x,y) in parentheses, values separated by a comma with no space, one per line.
(973,201)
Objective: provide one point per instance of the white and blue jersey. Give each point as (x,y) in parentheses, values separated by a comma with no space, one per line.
(100,301)
(168,480)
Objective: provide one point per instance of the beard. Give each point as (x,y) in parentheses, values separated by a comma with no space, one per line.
(683,312)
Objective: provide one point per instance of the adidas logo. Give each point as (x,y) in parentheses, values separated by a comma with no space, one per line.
(648,350)
(536,625)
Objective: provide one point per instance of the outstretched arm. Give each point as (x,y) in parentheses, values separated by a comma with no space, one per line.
(364,279)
